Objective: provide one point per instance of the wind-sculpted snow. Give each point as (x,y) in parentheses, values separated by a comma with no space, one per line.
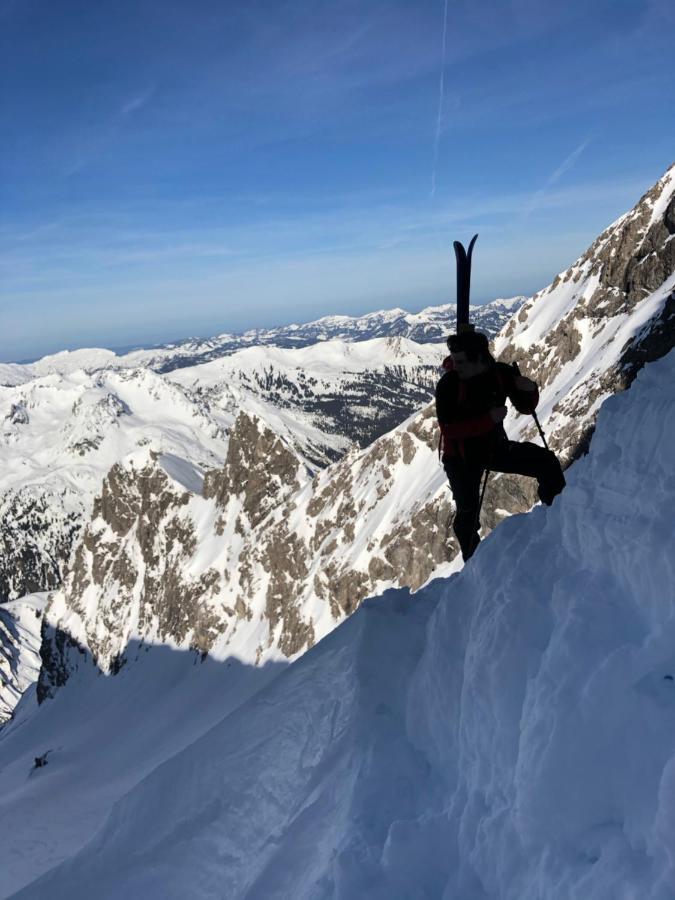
(506,733)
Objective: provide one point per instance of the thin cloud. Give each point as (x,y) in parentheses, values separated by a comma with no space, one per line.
(137,102)
(107,132)
(555,176)
(81,249)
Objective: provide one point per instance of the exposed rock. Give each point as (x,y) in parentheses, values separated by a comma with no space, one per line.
(284,558)
(418,546)
(259,469)
(37,536)
(18,415)
(61,657)
(629,261)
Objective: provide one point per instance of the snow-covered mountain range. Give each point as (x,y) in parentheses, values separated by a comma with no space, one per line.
(20,639)
(505,732)
(431,325)
(63,431)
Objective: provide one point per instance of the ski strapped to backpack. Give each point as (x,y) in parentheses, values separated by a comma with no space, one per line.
(463,258)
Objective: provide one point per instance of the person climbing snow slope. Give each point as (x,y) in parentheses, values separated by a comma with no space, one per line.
(470,406)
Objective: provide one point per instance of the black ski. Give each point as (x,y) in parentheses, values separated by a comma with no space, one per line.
(463,283)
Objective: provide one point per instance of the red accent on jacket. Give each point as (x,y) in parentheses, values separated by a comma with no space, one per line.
(456,397)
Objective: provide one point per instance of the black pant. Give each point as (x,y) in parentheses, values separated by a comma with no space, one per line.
(507,456)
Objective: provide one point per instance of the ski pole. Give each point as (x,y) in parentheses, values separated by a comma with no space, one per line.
(514,365)
(480,502)
(534,416)
(476,524)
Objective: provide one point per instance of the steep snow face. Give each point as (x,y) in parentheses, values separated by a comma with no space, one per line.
(587,334)
(507,732)
(20,639)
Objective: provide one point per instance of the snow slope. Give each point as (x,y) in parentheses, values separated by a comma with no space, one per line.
(20,622)
(508,732)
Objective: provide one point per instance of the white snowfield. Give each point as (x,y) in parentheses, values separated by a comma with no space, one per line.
(505,733)
(329,359)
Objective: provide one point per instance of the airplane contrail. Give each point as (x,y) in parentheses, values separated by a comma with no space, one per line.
(441,92)
(564,167)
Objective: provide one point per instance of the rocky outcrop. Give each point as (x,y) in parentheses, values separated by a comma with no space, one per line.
(132,563)
(39,530)
(259,469)
(586,336)
(59,436)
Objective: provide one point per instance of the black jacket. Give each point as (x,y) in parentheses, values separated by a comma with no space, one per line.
(463,410)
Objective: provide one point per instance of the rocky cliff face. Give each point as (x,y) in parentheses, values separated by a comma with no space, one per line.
(59,436)
(159,561)
(587,335)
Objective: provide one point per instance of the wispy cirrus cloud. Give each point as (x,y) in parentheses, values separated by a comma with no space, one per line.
(564,167)
(70,248)
(137,102)
(107,131)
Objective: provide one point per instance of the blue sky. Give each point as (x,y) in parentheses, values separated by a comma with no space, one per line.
(172,168)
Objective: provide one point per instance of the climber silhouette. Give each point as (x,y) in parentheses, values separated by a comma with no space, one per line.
(470,406)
